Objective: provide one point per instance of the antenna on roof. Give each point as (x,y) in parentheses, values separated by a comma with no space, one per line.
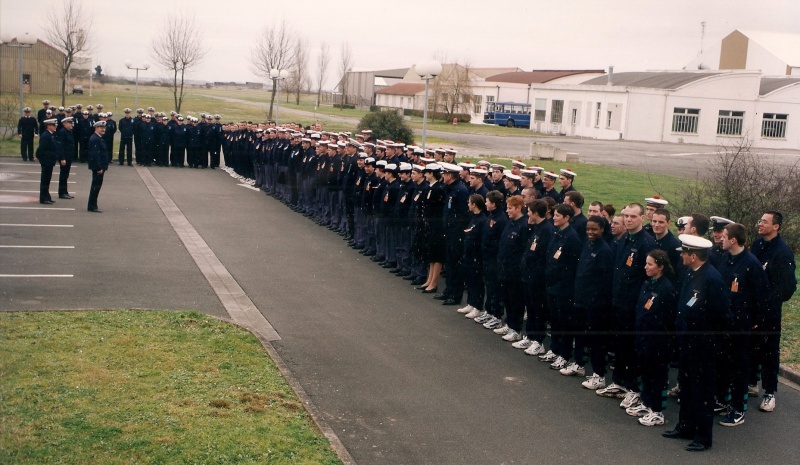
(702,35)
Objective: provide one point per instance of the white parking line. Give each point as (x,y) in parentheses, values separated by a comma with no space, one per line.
(28,172)
(25,192)
(27,180)
(38,225)
(37,246)
(38,208)
(16,164)
(36,276)
(249,187)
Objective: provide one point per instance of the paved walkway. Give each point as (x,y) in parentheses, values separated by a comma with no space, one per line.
(399,378)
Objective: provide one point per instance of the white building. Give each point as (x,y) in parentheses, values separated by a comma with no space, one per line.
(773,53)
(360,86)
(699,107)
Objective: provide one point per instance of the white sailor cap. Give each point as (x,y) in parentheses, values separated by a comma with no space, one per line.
(478,171)
(68,119)
(306,139)
(418,151)
(568,172)
(450,168)
(151,109)
(99,124)
(718,223)
(451,151)
(427,160)
(433,167)
(90,107)
(341,143)
(529,172)
(45,102)
(518,163)
(50,112)
(99,106)
(512,176)
(419,168)
(683,221)
(315,135)
(362,155)
(550,174)
(332,145)
(127,110)
(381,164)
(26,109)
(369,161)
(102,115)
(691,242)
(50,121)
(497,167)
(466,165)
(390,167)
(656,201)
(60,108)
(355,144)
(484,163)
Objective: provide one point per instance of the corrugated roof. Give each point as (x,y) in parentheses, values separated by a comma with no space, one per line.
(653,80)
(398,73)
(538,76)
(769,85)
(486,72)
(403,88)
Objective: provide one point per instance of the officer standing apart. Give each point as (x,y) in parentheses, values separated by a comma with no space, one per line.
(47,154)
(703,312)
(27,129)
(66,155)
(98,163)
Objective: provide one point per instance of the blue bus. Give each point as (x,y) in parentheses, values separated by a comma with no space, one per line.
(508,114)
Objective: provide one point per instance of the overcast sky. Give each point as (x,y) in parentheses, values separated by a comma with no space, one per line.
(529,34)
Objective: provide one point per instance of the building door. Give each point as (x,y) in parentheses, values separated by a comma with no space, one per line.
(26,83)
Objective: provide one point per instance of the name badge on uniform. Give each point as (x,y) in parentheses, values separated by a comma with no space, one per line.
(469,229)
(491,223)
(416,197)
(557,254)
(648,304)
(533,245)
(765,266)
(735,285)
(629,261)
(692,301)
(450,203)
(358,182)
(368,187)
(331,168)
(386,197)
(403,199)
(429,195)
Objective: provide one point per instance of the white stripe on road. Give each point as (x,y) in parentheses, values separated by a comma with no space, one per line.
(18,191)
(38,225)
(16,164)
(38,208)
(236,302)
(30,172)
(37,246)
(36,276)
(27,180)
(249,187)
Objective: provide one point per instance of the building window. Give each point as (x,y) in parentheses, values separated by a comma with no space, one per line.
(574,116)
(477,104)
(774,125)
(730,123)
(557,111)
(26,79)
(597,115)
(540,109)
(608,119)
(431,104)
(684,120)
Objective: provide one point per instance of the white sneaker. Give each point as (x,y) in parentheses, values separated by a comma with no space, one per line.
(483,317)
(474,313)
(535,348)
(503,330)
(612,390)
(674,392)
(594,382)
(631,399)
(652,419)
(638,410)
(512,336)
(493,323)
(523,343)
(559,363)
(466,309)
(548,357)
(573,369)
(767,403)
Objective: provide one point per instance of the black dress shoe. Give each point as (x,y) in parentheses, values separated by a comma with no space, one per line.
(369,254)
(395,270)
(406,275)
(431,291)
(389,265)
(441,297)
(95,210)
(358,246)
(47,202)
(65,196)
(676,433)
(418,281)
(451,302)
(695,446)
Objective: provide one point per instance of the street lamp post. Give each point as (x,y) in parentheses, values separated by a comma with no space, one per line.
(144,67)
(276,75)
(427,70)
(25,40)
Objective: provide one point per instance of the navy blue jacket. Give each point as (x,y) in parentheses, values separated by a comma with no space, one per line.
(47,152)
(594,275)
(562,263)
(534,257)
(655,318)
(510,249)
(490,240)
(98,153)
(125,126)
(703,311)
(27,127)
(629,259)
(456,210)
(66,145)
(778,261)
(578,223)
(473,256)
(749,288)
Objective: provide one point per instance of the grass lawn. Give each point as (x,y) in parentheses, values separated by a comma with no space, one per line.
(145,387)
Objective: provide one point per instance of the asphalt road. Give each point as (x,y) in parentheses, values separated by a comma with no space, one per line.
(398,377)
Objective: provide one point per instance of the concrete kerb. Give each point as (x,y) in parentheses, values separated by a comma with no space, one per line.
(789,374)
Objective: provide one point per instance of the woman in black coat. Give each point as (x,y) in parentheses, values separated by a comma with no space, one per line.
(433,251)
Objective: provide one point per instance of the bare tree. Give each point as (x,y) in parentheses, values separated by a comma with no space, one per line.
(345,63)
(273,50)
(178,47)
(299,72)
(453,90)
(322,68)
(69,32)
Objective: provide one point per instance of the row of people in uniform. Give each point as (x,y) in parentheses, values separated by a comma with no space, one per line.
(520,248)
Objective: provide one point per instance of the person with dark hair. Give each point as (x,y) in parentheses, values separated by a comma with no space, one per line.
(655,328)
(592,310)
(473,257)
(778,261)
(509,251)
(608,212)
(749,287)
(490,241)
(698,225)
(562,263)
(665,240)
(575,200)
(534,284)
(565,180)
(432,209)
(456,219)
(548,186)
(629,275)
(703,311)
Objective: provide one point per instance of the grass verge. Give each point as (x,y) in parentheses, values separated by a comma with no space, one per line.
(145,387)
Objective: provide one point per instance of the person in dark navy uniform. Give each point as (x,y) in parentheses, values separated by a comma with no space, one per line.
(490,241)
(111,129)
(548,186)
(703,312)
(565,180)
(749,288)
(509,263)
(47,154)
(27,129)
(473,258)
(651,205)
(778,261)
(476,182)
(655,327)
(98,164)
(575,200)
(126,130)
(66,155)
(455,218)
(433,249)
(718,223)
(41,115)
(666,241)
(497,175)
